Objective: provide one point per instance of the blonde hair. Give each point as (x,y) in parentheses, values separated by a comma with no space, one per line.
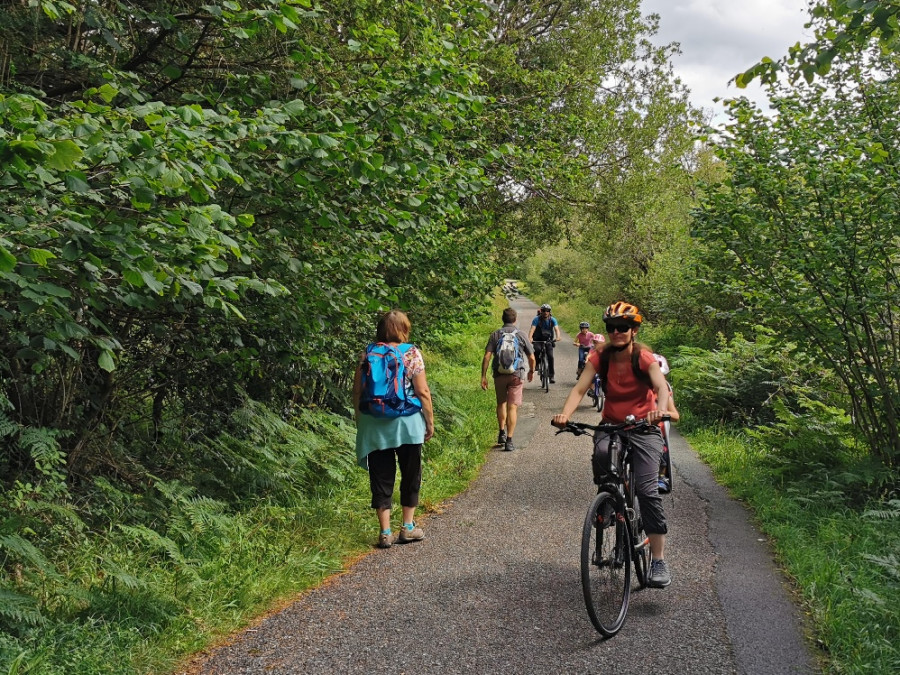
(393,327)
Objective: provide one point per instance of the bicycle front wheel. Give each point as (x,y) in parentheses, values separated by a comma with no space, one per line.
(545,373)
(606,565)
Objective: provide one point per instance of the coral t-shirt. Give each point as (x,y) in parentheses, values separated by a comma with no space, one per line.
(625,394)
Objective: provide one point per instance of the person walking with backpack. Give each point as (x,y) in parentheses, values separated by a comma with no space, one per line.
(394,417)
(634,385)
(511,350)
(545,331)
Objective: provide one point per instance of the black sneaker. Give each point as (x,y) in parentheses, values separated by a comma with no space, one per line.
(501,437)
(509,447)
(552,381)
(659,574)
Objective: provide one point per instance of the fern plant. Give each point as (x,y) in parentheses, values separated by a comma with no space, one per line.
(17,609)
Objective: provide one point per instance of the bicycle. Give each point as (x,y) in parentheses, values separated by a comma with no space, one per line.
(582,357)
(613,535)
(543,365)
(595,393)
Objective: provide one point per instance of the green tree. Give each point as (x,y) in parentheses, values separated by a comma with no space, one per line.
(173,231)
(805,229)
(843,28)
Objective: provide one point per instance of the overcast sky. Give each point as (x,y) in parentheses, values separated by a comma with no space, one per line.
(721,38)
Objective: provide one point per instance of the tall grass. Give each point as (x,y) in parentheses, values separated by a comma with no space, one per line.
(129,582)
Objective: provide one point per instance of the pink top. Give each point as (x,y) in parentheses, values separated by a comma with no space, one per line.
(584,339)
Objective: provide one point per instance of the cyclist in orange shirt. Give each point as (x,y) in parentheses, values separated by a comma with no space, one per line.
(634,385)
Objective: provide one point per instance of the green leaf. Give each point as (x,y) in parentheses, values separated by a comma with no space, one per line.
(294,107)
(76,181)
(143,196)
(7,260)
(172,179)
(106,361)
(65,155)
(40,256)
(133,277)
(108,92)
(152,283)
(172,71)
(327,141)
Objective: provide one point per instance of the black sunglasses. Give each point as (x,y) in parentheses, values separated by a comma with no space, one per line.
(617,328)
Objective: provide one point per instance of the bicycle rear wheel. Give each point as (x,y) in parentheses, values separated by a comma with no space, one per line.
(606,565)
(639,540)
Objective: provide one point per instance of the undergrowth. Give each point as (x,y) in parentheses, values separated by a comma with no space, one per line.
(109,578)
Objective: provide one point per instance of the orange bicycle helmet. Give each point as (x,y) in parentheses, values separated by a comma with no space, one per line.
(622,311)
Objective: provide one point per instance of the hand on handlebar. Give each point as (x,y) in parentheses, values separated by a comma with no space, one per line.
(657,416)
(559,421)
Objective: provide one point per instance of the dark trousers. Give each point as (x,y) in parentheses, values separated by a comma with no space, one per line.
(383,471)
(550,363)
(582,355)
(646,453)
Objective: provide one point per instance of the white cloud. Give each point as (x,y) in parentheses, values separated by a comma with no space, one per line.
(721,38)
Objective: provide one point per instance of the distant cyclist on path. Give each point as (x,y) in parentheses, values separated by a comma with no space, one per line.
(545,329)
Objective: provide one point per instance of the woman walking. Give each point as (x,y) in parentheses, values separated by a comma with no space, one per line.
(387,439)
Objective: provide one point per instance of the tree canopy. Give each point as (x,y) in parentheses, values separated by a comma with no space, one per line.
(805,230)
(204,200)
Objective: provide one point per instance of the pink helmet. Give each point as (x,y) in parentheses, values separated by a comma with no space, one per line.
(598,337)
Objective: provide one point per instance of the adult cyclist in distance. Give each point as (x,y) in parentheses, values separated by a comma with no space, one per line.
(545,329)
(645,397)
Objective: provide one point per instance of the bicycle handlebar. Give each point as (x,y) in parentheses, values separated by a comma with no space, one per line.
(581,428)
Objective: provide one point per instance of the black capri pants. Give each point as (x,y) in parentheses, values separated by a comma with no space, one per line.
(383,471)
(646,452)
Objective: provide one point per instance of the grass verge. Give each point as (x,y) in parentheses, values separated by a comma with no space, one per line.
(843,554)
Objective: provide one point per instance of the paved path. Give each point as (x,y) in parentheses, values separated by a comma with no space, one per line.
(495,586)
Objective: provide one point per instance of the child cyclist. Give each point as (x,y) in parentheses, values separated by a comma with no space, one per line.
(594,391)
(584,339)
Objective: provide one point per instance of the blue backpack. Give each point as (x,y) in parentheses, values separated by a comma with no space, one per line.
(384,393)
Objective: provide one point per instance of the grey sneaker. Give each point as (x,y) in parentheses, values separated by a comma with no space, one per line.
(407,536)
(385,540)
(659,574)
(501,437)
(509,447)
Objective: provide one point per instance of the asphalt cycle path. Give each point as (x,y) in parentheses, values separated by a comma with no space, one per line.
(495,586)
